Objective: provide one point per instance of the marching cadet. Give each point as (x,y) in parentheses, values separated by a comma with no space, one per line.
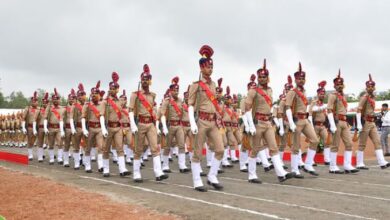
(202,100)
(125,124)
(2,130)
(337,110)
(93,116)
(188,136)
(171,116)
(20,136)
(142,104)
(12,128)
(30,118)
(367,128)
(54,126)
(114,137)
(317,116)
(259,101)
(70,129)
(296,112)
(230,119)
(246,137)
(76,119)
(40,123)
(236,128)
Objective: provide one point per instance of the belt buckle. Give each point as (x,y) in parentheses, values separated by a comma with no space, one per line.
(210,117)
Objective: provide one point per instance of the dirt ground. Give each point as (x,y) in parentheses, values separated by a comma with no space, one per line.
(24,196)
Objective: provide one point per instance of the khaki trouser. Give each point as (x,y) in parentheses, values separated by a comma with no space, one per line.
(177,133)
(77,140)
(283,139)
(232,141)
(30,138)
(41,137)
(188,136)
(369,130)
(127,138)
(344,134)
(114,138)
(264,133)
(55,138)
(95,139)
(321,132)
(146,132)
(68,139)
(208,130)
(304,126)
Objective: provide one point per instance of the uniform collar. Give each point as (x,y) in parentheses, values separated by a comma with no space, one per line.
(206,79)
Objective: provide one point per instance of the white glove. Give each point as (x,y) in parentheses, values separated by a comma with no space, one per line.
(249,118)
(164,125)
(290,120)
(45,127)
(281,128)
(359,122)
(35,132)
(311,120)
(333,127)
(72,128)
(103,126)
(158,128)
(24,127)
(62,132)
(246,125)
(276,121)
(134,128)
(323,107)
(84,127)
(194,127)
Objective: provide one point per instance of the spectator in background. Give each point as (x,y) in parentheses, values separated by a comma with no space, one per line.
(385,129)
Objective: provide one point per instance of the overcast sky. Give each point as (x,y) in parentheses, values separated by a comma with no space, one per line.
(61,43)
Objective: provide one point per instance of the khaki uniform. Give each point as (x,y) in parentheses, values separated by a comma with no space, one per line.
(69,111)
(207,114)
(282,114)
(299,111)
(77,116)
(41,133)
(369,127)
(336,106)
(233,132)
(246,138)
(115,132)
(30,115)
(175,130)
(95,136)
(188,136)
(264,128)
(54,125)
(146,127)
(125,124)
(319,118)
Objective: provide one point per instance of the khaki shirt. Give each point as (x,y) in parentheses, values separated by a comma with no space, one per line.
(69,111)
(201,100)
(185,116)
(30,115)
(125,116)
(51,117)
(282,108)
(138,108)
(292,98)
(258,102)
(78,113)
(365,106)
(111,114)
(41,115)
(319,116)
(332,100)
(89,114)
(169,111)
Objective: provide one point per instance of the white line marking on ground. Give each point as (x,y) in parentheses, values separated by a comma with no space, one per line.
(280,203)
(188,198)
(350,181)
(317,190)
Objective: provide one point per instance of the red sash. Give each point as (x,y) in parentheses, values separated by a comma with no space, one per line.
(56,113)
(78,106)
(230,113)
(68,109)
(94,109)
(33,110)
(185,107)
(177,109)
(115,107)
(265,96)
(211,96)
(371,101)
(301,95)
(125,112)
(341,97)
(42,110)
(146,104)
